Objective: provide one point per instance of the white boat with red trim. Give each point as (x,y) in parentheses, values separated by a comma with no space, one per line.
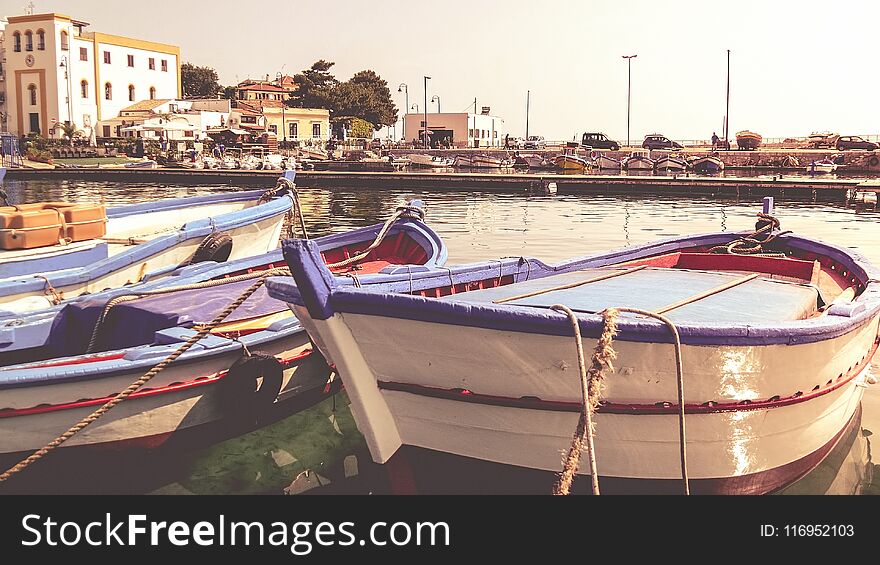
(775,350)
(256,365)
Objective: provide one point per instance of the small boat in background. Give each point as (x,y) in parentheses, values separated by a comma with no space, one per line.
(571,163)
(429,161)
(489,162)
(707,165)
(462,162)
(670,164)
(606,163)
(638,162)
(822,166)
(748,140)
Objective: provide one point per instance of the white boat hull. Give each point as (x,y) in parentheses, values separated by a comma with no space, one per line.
(395,368)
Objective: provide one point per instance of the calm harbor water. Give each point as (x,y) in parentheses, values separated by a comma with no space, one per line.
(320,451)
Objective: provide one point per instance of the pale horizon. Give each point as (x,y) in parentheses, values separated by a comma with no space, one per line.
(795,67)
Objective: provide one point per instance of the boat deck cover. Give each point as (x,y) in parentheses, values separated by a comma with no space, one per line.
(759,300)
(135,323)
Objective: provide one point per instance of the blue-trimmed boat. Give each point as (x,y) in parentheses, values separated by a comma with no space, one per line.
(474,364)
(64,368)
(141,241)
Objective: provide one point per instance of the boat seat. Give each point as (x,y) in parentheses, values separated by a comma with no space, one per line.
(759,300)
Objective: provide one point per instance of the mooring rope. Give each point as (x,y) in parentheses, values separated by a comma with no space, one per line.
(57,297)
(402,211)
(748,244)
(281,271)
(133,387)
(591,382)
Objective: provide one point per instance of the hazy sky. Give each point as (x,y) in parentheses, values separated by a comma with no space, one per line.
(795,67)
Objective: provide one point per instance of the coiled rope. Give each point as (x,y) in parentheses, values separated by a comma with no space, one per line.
(133,387)
(401,212)
(591,384)
(750,244)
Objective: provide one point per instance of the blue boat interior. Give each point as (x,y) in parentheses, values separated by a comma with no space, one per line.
(133,323)
(758,300)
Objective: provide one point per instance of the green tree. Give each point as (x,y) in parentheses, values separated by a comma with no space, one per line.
(372,99)
(198,82)
(229,92)
(315,87)
(70,131)
(361,129)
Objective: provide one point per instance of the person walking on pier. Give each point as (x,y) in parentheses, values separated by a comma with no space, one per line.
(715,140)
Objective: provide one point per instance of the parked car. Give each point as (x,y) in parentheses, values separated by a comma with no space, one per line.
(535,142)
(845,142)
(657,141)
(821,140)
(377,143)
(515,142)
(598,140)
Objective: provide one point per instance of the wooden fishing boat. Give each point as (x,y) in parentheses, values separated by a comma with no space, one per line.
(670,164)
(70,250)
(775,349)
(429,161)
(604,162)
(707,165)
(637,162)
(92,352)
(571,163)
(462,162)
(489,162)
(748,140)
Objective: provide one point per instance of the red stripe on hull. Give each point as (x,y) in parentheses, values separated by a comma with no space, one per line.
(196,382)
(660,408)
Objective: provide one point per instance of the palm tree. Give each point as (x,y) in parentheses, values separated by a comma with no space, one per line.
(70,131)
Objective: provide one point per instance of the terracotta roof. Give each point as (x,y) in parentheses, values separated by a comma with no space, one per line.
(245,108)
(145,105)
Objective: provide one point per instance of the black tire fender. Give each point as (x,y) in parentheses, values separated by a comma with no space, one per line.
(251,383)
(215,247)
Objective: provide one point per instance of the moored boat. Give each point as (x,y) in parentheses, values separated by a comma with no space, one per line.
(822,166)
(670,164)
(429,161)
(638,162)
(104,342)
(69,249)
(748,140)
(489,162)
(571,163)
(775,349)
(606,163)
(707,164)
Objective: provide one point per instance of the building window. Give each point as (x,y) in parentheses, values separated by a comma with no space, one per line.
(83,54)
(106,131)
(164,66)
(152,63)
(131,60)
(294,129)
(274,129)
(16,40)
(64,41)
(107,57)
(32,92)
(28,41)
(152,93)
(316,130)
(131,93)
(108,91)
(84,88)
(41,40)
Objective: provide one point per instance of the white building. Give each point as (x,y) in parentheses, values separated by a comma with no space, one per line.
(462,129)
(56,72)
(172,119)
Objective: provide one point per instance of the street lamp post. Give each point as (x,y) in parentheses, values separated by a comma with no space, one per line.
(404,88)
(727,109)
(426,111)
(279,77)
(629,59)
(436,98)
(64,64)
